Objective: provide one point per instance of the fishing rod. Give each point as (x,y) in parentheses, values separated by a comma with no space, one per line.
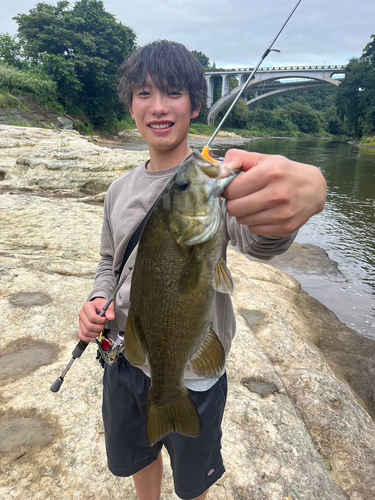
(81,346)
(206,149)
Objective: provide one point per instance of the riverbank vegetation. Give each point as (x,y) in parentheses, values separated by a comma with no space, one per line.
(356,95)
(77,49)
(66,57)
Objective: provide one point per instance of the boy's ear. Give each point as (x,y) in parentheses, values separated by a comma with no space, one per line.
(131,112)
(195,113)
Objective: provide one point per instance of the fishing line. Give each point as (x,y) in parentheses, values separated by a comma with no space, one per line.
(261,90)
(256,109)
(206,149)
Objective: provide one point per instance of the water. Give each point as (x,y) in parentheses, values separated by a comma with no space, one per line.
(346,228)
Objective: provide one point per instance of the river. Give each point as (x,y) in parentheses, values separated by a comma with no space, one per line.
(342,274)
(345,229)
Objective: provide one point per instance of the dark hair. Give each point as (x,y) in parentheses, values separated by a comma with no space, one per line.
(170,65)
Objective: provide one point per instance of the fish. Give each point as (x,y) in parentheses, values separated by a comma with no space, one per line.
(177,271)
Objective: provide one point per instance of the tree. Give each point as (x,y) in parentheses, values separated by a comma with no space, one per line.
(11,50)
(239,116)
(202,58)
(81,48)
(356,95)
(333,121)
(307,120)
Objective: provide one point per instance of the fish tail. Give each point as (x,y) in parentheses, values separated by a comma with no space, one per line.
(179,416)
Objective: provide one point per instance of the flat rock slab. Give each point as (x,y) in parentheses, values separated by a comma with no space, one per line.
(59,162)
(298,422)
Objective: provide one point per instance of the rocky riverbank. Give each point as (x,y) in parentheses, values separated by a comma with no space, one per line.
(299,423)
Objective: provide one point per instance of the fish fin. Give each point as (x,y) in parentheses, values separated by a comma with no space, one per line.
(133,347)
(191,273)
(223,280)
(179,416)
(208,360)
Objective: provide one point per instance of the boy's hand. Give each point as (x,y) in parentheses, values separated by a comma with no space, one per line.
(274,196)
(90,323)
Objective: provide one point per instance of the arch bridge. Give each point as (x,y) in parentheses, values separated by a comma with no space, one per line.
(269,83)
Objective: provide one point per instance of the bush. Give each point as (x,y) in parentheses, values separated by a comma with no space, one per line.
(31,83)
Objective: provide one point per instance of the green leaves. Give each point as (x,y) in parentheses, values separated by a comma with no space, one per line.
(81,48)
(202,58)
(356,95)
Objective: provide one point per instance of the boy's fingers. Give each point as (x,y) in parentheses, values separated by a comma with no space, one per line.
(110,312)
(243,159)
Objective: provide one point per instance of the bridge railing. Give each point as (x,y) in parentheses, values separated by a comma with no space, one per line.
(277,68)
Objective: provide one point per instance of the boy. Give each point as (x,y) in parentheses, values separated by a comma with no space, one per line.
(164,86)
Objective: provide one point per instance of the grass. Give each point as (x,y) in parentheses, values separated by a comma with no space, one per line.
(368,141)
(9,101)
(33,84)
(19,124)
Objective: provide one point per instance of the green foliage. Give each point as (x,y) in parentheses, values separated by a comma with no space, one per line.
(202,118)
(31,83)
(11,51)
(368,54)
(239,116)
(8,101)
(84,128)
(202,58)
(307,120)
(275,122)
(126,123)
(356,95)
(334,124)
(201,129)
(81,48)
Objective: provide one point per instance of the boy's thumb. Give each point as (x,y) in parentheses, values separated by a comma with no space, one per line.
(110,312)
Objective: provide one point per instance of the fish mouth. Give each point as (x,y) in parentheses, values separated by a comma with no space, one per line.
(160,125)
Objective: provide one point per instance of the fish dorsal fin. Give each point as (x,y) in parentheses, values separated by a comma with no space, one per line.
(223,280)
(133,347)
(209,358)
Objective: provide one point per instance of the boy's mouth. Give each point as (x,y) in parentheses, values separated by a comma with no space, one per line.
(161,126)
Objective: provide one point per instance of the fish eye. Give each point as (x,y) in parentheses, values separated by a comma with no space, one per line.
(183,185)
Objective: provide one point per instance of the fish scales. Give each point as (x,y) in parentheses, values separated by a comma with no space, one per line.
(172,294)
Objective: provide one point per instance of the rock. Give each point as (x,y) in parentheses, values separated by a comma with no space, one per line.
(223,134)
(65,122)
(130,134)
(299,419)
(56,163)
(27,113)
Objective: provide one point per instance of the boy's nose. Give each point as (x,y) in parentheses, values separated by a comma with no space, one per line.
(159,104)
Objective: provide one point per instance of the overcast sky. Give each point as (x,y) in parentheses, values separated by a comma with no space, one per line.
(235,33)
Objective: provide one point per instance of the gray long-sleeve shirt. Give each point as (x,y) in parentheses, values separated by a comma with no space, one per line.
(127,202)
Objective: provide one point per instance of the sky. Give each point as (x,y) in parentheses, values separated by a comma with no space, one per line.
(235,33)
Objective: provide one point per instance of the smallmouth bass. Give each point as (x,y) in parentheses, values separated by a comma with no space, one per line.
(177,270)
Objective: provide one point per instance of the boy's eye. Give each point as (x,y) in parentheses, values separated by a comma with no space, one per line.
(143,93)
(174,93)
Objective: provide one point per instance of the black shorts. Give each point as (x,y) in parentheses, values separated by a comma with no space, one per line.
(196,462)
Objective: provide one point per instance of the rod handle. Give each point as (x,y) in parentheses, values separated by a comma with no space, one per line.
(79,349)
(57,384)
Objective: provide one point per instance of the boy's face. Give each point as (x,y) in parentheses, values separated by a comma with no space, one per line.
(162,117)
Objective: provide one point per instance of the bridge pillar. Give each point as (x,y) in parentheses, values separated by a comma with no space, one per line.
(210,90)
(225,86)
(243,77)
(241,80)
